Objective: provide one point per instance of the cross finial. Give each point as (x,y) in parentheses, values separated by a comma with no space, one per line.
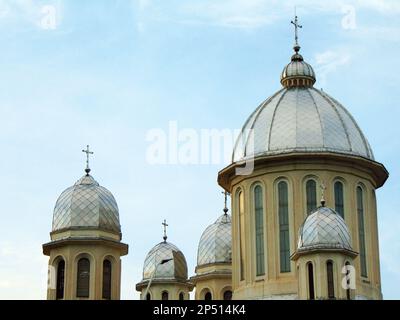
(296,35)
(165,230)
(323,188)
(226,201)
(88,153)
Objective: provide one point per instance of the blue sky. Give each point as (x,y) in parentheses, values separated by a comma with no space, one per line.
(110,71)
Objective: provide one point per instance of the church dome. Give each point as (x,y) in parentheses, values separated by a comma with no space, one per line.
(324,229)
(216,242)
(300,119)
(86,205)
(298,72)
(168,261)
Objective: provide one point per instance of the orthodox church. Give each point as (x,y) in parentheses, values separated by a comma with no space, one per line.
(281,241)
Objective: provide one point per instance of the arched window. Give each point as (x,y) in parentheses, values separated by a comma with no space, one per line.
(164,295)
(361,231)
(242,234)
(60,280)
(107,279)
(83,278)
(181,296)
(331,284)
(284,244)
(310,269)
(228,295)
(339,200)
(148,297)
(208,296)
(259,226)
(348,292)
(311,194)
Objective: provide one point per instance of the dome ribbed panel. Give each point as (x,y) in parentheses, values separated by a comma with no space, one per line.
(284,124)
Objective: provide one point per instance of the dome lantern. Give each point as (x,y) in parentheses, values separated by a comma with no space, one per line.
(297,73)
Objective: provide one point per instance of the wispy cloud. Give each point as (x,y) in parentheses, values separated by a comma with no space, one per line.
(250,14)
(328,62)
(231,13)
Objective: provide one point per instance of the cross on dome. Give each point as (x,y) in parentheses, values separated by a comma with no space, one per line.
(296,35)
(165,230)
(88,153)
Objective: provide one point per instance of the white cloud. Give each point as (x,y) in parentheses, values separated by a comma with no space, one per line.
(248,14)
(328,62)
(388,7)
(232,13)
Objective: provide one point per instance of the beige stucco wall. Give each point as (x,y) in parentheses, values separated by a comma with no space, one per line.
(319,261)
(96,255)
(213,278)
(296,174)
(174,289)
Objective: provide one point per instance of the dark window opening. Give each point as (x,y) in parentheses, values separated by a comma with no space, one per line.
(60,280)
(107,279)
(311,294)
(83,278)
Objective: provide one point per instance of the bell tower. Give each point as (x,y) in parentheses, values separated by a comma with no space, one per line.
(85,247)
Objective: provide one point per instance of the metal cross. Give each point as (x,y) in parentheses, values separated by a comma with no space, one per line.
(323,188)
(296,27)
(88,153)
(165,229)
(226,201)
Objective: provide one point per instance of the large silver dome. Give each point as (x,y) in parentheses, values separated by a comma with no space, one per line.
(300,118)
(216,242)
(174,269)
(324,229)
(86,205)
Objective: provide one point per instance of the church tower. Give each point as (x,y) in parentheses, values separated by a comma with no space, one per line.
(165,273)
(324,255)
(213,279)
(85,247)
(294,141)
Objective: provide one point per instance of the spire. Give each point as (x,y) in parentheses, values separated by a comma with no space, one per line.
(296,35)
(165,230)
(88,153)
(226,202)
(323,188)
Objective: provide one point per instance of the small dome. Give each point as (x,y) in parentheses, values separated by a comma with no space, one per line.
(168,261)
(216,242)
(324,229)
(86,205)
(298,73)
